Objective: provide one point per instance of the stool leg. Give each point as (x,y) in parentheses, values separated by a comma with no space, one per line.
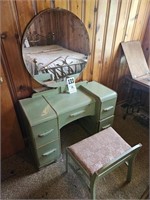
(93,187)
(130,169)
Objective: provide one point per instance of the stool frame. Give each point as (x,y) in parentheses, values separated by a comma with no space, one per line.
(127,157)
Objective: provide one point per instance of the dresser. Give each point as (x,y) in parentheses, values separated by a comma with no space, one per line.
(45,113)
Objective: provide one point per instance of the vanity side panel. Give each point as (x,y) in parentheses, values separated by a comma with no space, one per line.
(41,127)
(105,107)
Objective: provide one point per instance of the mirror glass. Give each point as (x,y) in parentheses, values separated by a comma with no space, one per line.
(55,46)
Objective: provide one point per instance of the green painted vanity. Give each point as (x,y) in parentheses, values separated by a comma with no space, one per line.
(52,64)
(45,113)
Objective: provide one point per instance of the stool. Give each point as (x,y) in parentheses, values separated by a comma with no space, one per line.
(98,155)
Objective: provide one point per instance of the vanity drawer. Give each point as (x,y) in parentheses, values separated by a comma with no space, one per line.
(48,153)
(76,114)
(105,123)
(45,133)
(107,108)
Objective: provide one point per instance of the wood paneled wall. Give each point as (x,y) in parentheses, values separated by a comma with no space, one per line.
(11,138)
(108,23)
(146,43)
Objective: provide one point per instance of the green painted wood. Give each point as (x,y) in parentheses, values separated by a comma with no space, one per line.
(37,110)
(48,153)
(65,102)
(75,114)
(70,107)
(41,126)
(105,106)
(46,112)
(102,92)
(45,132)
(105,123)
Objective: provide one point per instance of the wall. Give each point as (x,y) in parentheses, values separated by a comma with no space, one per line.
(108,23)
(11,139)
(146,43)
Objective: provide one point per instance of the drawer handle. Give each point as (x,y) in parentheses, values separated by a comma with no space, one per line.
(46,133)
(77,113)
(107,109)
(104,127)
(49,152)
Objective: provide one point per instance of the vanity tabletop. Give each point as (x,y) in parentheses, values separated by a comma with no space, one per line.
(37,110)
(99,90)
(65,102)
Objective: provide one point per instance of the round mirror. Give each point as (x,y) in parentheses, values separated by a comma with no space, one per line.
(55,46)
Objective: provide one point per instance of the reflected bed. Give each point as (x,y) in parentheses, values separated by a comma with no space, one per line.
(53,62)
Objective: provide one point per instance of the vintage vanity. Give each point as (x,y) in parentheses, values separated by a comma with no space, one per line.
(46,112)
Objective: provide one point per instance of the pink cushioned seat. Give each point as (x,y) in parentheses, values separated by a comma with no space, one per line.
(99,149)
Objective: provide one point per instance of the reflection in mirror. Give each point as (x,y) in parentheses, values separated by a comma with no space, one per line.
(55,46)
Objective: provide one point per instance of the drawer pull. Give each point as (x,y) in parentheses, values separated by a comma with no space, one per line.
(49,152)
(107,109)
(77,113)
(104,127)
(46,133)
